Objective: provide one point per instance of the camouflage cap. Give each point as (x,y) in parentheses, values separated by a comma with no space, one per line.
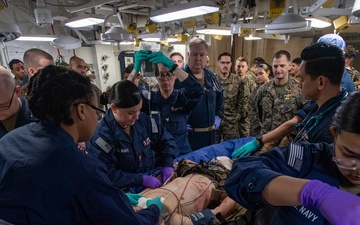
(350,51)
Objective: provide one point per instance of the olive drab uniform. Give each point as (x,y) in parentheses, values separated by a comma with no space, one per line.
(255,124)
(275,109)
(232,103)
(248,86)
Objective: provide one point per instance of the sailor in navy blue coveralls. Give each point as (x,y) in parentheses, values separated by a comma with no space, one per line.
(129,157)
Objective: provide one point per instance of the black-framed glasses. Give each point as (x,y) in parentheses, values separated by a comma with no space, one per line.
(347,164)
(7,106)
(167,75)
(99,112)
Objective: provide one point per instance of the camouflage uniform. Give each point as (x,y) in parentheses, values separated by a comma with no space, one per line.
(229,125)
(250,74)
(255,125)
(275,109)
(355,76)
(247,86)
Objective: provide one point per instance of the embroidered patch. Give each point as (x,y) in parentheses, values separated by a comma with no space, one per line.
(103,145)
(296,156)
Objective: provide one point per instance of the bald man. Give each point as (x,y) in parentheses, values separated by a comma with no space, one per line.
(36,59)
(14,110)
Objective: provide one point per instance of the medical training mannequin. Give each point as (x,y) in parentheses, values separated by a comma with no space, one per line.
(306,183)
(44,178)
(186,199)
(134,147)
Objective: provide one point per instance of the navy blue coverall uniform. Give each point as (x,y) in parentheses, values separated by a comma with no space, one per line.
(174,111)
(46,179)
(203,116)
(128,157)
(22,118)
(250,175)
(315,127)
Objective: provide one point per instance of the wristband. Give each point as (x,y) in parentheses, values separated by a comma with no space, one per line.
(173,68)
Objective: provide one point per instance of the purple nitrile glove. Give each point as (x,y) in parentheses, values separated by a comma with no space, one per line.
(166,172)
(151,182)
(217,122)
(337,206)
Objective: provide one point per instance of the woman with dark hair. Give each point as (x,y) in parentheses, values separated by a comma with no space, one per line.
(307,183)
(44,178)
(134,147)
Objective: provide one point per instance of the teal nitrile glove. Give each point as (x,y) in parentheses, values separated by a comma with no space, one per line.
(140,56)
(155,201)
(159,57)
(134,198)
(246,149)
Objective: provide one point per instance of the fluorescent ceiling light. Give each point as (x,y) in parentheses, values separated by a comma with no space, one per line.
(288,23)
(117,34)
(84,20)
(252,38)
(181,11)
(320,22)
(158,39)
(37,38)
(9,32)
(66,42)
(157,36)
(214,31)
(113,43)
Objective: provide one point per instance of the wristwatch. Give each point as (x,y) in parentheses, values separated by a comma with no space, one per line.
(258,138)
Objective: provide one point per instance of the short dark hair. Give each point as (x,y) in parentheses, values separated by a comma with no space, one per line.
(258,60)
(124,94)
(176,53)
(297,61)
(224,54)
(278,54)
(14,61)
(324,59)
(32,58)
(129,68)
(54,90)
(347,115)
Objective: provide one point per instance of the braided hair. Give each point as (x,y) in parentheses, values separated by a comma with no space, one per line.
(53,91)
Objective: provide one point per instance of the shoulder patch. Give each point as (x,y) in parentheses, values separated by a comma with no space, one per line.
(103,145)
(296,155)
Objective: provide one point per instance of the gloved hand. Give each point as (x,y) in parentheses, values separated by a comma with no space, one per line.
(134,198)
(217,122)
(166,172)
(188,127)
(140,56)
(337,206)
(155,201)
(159,57)
(246,149)
(151,182)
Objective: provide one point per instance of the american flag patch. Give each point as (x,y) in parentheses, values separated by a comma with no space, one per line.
(296,156)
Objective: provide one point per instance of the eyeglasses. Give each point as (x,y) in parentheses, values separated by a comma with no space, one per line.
(7,106)
(162,76)
(223,63)
(348,164)
(99,112)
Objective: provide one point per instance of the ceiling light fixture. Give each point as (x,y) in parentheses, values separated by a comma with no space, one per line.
(117,34)
(66,42)
(319,21)
(288,23)
(181,11)
(214,31)
(37,38)
(84,20)
(9,32)
(157,37)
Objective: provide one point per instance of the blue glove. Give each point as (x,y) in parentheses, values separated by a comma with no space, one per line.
(217,122)
(166,172)
(151,182)
(155,201)
(159,57)
(140,56)
(246,149)
(134,198)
